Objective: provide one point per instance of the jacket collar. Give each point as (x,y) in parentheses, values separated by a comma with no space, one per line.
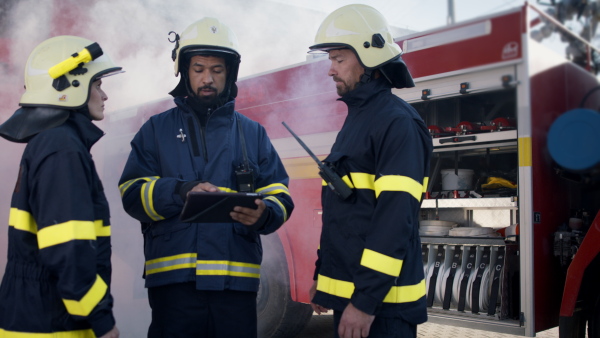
(88,131)
(224,110)
(363,93)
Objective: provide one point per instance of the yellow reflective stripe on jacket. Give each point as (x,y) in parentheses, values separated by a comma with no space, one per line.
(223,189)
(276,200)
(380,262)
(101,230)
(348,182)
(425,183)
(399,183)
(22,220)
(273,189)
(357,180)
(65,232)
(182,261)
(385,183)
(404,294)
(227,268)
(203,267)
(146,192)
(58,233)
(397,294)
(363,180)
(88,302)
(123,187)
(64,334)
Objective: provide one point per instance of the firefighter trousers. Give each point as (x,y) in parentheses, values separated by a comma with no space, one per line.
(382,327)
(179,310)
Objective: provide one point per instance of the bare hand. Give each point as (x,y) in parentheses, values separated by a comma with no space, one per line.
(113,333)
(248,216)
(205,186)
(316,307)
(354,323)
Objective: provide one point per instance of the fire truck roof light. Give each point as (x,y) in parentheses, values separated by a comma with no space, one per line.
(425,94)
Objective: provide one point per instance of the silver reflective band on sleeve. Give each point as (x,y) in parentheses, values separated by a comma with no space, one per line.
(276,201)
(272,189)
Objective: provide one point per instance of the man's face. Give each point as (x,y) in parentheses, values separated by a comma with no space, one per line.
(345,70)
(208,76)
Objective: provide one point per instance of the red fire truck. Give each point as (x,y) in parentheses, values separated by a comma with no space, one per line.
(490,90)
(495,219)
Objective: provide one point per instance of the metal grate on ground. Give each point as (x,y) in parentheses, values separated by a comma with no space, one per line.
(432,330)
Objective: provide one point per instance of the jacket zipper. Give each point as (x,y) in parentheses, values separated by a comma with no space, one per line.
(203,135)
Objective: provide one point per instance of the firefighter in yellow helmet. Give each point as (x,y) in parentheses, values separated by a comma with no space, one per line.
(369,268)
(58,274)
(203,278)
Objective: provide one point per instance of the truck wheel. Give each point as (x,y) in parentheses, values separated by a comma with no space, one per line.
(278,315)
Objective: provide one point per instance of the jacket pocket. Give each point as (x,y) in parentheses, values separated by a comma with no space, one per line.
(244,232)
(165,229)
(336,160)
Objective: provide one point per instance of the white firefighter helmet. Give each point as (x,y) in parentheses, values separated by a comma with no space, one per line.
(207,36)
(365,31)
(59,72)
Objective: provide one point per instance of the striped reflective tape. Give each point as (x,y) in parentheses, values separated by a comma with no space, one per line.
(182,261)
(280,205)
(227,268)
(203,267)
(273,189)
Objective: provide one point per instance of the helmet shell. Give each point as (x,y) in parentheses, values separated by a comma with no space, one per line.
(361,28)
(208,36)
(39,89)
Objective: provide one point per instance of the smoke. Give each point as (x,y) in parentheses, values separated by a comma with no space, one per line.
(134,34)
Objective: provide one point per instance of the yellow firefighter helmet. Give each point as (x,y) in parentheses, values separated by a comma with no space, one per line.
(59,72)
(207,36)
(365,31)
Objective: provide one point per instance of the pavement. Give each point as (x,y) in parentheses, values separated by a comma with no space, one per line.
(321,326)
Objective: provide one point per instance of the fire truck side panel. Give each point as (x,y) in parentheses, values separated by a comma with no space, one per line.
(554,91)
(475,43)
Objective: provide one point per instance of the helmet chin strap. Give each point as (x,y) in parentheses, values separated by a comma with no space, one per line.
(366,76)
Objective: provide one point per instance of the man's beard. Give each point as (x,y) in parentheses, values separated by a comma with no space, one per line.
(343,88)
(208,100)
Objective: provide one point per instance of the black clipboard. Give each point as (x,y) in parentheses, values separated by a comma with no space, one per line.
(214,207)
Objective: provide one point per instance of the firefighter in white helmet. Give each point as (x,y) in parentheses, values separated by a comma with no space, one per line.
(57,278)
(203,279)
(369,268)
